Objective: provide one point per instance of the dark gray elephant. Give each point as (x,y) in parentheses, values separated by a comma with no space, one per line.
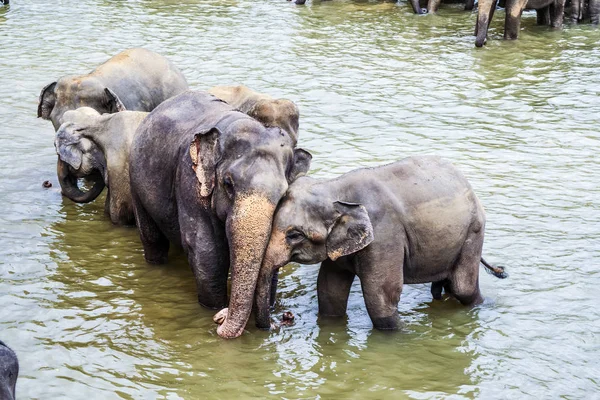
(549,12)
(9,371)
(208,178)
(90,144)
(413,221)
(282,113)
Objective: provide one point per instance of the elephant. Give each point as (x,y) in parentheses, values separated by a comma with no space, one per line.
(549,12)
(282,113)
(207,178)
(583,9)
(135,79)
(94,144)
(9,371)
(432,6)
(413,221)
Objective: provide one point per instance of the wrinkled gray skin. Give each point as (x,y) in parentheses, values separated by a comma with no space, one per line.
(282,113)
(93,144)
(413,221)
(583,9)
(549,12)
(135,79)
(208,178)
(9,371)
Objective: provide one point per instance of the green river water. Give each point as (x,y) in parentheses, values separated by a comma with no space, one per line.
(90,319)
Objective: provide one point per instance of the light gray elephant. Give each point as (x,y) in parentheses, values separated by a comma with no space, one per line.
(413,221)
(135,79)
(270,112)
(97,146)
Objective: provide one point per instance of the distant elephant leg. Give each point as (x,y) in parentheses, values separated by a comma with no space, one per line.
(557,13)
(107,203)
(333,289)
(464,279)
(436,289)
(156,245)
(512,24)
(469,5)
(381,282)
(594,7)
(433,5)
(543,16)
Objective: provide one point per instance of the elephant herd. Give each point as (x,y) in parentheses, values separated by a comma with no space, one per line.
(219,174)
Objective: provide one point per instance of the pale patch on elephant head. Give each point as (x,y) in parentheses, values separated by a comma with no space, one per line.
(203,152)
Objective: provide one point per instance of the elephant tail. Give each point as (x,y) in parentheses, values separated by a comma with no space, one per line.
(497,271)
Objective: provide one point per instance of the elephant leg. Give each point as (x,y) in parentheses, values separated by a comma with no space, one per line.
(512,23)
(469,5)
(594,8)
(543,16)
(464,279)
(436,289)
(381,282)
(433,5)
(333,289)
(156,244)
(557,13)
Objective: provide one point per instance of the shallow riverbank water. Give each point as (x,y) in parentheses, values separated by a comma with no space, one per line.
(374,83)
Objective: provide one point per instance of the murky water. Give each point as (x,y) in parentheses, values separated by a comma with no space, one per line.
(89,319)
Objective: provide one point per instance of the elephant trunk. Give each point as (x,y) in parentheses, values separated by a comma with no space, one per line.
(68,184)
(248,228)
(263,296)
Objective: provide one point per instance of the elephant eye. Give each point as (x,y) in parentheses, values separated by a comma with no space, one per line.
(294,235)
(228,184)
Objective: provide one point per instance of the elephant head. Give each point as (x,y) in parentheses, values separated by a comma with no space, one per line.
(309,227)
(9,370)
(278,112)
(70,93)
(245,176)
(79,157)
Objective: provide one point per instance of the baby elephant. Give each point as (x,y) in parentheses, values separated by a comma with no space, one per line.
(97,147)
(9,370)
(414,221)
(268,111)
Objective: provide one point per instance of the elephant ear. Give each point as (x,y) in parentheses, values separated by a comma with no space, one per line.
(68,146)
(204,151)
(351,231)
(46,101)
(114,104)
(300,165)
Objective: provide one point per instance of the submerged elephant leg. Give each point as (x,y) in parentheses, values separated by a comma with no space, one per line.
(469,5)
(436,289)
(464,279)
(557,13)
(512,23)
(156,245)
(594,8)
(543,16)
(333,289)
(273,294)
(381,280)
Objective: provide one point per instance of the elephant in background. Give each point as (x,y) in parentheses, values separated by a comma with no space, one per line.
(207,177)
(431,6)
(549,12)
(282,113)
(97,146)
(9,371)
(413,221)
(583,9)
(135,79)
